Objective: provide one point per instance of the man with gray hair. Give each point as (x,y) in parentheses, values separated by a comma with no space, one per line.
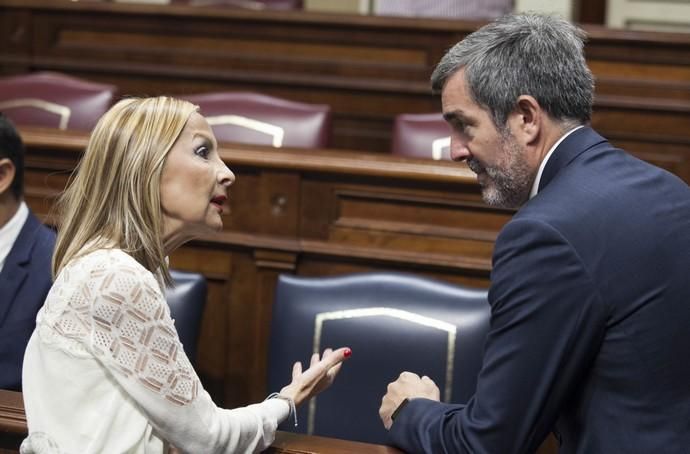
(590,296)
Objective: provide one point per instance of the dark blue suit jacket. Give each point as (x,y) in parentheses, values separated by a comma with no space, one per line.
(24,283)
(590,324)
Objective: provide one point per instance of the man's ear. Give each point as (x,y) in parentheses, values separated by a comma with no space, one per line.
(7,171)
(526,120)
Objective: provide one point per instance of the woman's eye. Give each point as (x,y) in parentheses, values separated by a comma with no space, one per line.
(202,151)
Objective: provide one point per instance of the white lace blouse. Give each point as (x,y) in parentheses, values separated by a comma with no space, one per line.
(104,372)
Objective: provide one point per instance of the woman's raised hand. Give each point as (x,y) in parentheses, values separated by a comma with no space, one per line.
(319,376)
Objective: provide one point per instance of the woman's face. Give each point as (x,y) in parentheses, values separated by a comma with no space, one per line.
(194,184)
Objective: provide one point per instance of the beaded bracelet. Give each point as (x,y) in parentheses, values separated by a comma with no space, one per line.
(291,403)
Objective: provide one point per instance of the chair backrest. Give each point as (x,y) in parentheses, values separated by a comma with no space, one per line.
(264,120)
(54,100)
(422,136)
(186,300)
(393,322)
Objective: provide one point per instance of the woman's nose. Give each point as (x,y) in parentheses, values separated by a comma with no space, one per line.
(226,176)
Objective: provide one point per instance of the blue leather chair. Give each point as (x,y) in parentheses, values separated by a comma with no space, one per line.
(393,322)
(186,300)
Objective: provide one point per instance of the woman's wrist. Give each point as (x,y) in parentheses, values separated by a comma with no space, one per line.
(291,404)
(291,392)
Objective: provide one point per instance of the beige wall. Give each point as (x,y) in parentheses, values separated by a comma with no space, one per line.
(563,8)
(340,6)
(663,15)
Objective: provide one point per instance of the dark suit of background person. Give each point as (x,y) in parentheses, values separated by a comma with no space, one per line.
(25,277)
(590,324)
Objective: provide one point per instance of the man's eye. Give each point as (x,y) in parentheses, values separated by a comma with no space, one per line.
(202,151)
(459,126)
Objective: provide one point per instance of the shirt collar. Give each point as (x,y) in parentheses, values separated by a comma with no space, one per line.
(10,231)
(535,185)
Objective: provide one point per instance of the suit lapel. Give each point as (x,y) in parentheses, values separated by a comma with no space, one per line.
(15,270)
(572,146)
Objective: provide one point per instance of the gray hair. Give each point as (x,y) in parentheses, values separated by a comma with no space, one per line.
(523,54)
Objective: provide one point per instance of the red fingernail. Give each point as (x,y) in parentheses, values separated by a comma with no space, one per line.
(347,353)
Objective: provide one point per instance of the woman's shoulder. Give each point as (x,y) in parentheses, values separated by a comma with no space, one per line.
(112,256)
(108,264)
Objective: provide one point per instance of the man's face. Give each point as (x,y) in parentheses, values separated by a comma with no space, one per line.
(500,162)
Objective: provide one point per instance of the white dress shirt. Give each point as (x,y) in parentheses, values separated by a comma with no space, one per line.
(10,231)
(535,185)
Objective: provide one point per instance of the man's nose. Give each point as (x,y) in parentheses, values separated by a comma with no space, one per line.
(458,150)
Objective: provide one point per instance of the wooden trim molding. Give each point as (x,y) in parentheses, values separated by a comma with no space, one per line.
(12,417)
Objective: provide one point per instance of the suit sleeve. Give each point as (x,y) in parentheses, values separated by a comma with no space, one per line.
(547,323)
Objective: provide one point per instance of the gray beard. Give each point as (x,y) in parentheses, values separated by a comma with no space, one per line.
(507,186)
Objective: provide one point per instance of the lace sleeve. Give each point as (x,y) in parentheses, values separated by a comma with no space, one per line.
(132,335)
(132,331)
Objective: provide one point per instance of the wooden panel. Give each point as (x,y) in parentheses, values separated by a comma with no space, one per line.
(16,39)
(289,443)
(400,218)
(217,267)
(12,421)
(590,11)
(367,68)
(665,138)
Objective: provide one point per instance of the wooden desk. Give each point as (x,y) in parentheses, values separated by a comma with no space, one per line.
(367,68)
(289,443)
(13,430)
(12,421)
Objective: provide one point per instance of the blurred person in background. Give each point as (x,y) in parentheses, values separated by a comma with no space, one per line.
(26,249)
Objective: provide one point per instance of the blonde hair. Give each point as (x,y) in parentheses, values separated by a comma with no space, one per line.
(113,198)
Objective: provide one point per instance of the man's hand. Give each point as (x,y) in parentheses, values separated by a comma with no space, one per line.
(408,385)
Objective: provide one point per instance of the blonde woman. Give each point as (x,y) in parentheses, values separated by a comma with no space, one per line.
(104,371)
